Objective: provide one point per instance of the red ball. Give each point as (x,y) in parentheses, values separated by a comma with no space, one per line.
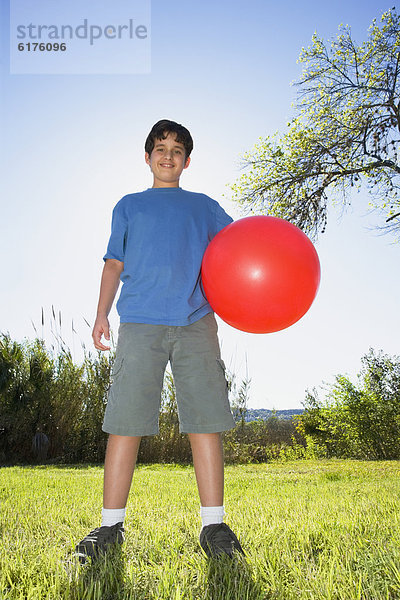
(260,274)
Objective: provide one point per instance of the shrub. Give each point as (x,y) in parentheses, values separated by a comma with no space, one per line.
(358,421)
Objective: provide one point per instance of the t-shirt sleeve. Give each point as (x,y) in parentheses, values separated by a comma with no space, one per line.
(119,230)
(222,219)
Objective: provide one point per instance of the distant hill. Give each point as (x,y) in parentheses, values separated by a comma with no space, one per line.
(253,414)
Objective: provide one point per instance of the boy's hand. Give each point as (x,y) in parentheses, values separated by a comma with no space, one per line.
(101,326)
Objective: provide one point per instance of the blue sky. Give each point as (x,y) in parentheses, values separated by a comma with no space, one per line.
(72,145)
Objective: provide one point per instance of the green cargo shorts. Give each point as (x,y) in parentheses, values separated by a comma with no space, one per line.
(143,351)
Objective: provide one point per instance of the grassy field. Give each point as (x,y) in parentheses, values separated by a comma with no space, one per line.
(310,529)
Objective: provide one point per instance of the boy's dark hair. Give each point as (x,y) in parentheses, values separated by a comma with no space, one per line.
(162,128)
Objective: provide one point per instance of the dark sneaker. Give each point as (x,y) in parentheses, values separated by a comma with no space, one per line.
(98,541)
(219,539)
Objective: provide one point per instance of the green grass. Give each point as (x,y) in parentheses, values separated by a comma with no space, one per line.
(310,529)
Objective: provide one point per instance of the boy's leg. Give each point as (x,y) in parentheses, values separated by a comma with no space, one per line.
(208,462)
(216,537)
(119,465)
(204,411)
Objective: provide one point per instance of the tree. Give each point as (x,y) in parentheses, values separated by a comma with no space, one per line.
(344,134)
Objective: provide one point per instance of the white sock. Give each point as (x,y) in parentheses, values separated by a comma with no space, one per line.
(111,516)
(211,515)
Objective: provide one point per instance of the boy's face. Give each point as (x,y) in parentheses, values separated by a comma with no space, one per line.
(167,161)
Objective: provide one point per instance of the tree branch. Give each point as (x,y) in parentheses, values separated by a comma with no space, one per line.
(393,217)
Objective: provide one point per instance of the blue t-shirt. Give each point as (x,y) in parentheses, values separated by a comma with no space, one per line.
(160,235)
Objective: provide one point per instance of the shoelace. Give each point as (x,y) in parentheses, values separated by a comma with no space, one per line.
(101,534)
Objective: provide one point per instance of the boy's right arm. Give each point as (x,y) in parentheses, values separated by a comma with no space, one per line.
(108,288)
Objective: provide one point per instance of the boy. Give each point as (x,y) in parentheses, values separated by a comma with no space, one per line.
(158,238)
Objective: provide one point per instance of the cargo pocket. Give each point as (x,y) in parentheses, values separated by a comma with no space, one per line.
(221,364)
(116,368)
